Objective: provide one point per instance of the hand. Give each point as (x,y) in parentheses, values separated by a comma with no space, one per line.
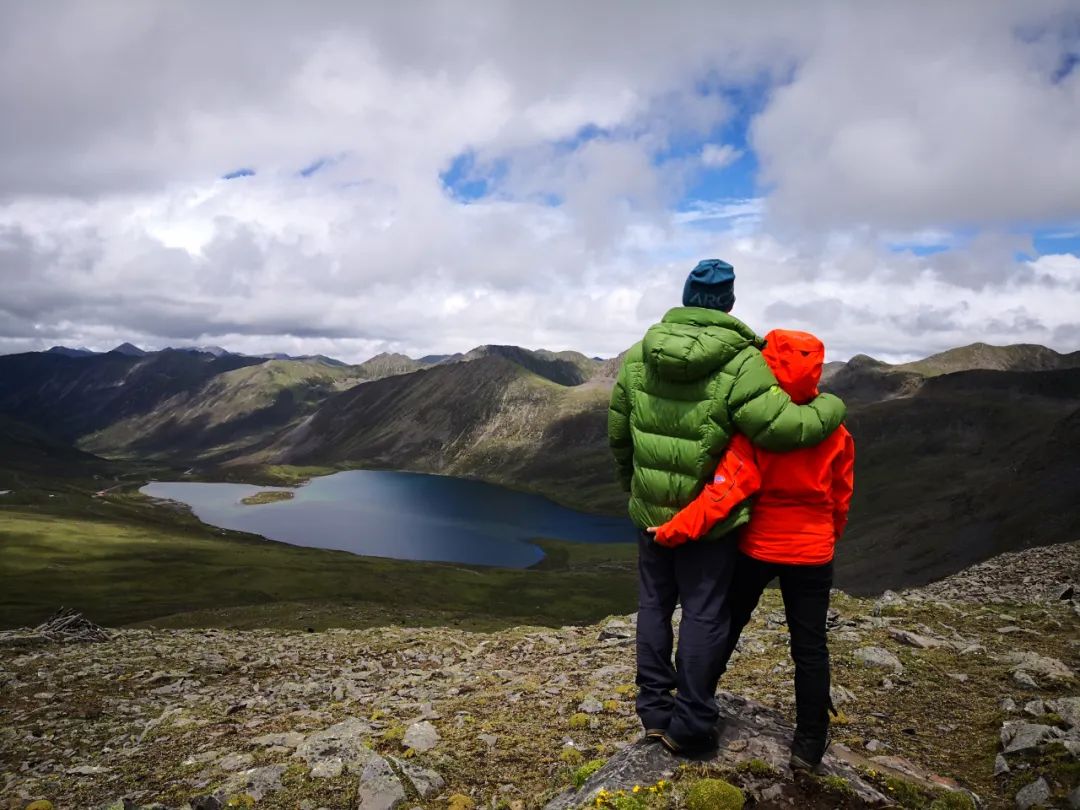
(652,529)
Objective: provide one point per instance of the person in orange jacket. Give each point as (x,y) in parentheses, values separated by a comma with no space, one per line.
(800,510)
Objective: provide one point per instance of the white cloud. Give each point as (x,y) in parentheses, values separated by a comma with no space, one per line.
(717,156)
(879,128)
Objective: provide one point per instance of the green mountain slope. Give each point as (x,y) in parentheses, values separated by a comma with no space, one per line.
(1018,357)
(973,464)
(565,368)
(489,418)
(229,413)
(864,379)
(70,397)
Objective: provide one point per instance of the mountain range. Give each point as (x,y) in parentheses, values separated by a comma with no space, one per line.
(961,456)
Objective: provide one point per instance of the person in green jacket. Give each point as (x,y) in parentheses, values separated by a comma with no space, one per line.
(696,379)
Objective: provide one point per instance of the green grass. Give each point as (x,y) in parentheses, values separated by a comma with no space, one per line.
(120,561)
(271,496)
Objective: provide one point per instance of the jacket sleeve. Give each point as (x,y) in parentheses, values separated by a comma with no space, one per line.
(763,411)
(737,477)
(619,436)
(843,485)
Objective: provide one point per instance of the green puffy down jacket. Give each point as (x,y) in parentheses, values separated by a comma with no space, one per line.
(697,378)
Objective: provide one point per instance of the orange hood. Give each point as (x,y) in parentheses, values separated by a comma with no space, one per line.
(796,359)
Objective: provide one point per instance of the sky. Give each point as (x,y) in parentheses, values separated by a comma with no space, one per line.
(351,178)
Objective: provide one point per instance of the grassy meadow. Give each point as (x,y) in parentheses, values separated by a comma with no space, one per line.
(121,559)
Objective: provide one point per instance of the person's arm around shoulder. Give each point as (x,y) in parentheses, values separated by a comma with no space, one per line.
(843,485)
(737,477)
(619,436)
(763,411)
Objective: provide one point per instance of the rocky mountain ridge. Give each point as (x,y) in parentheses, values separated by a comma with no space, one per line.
(952,467)
(945,703)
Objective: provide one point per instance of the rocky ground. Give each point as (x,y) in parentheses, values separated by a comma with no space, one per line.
(963,689)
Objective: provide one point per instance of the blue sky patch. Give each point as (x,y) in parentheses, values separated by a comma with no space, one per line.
(464,181)
(244,172)
(1057,240)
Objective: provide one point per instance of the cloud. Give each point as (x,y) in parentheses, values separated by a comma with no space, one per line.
(909,119)
(882,135)
(718,156)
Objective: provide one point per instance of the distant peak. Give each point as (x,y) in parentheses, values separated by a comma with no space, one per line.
(130,349)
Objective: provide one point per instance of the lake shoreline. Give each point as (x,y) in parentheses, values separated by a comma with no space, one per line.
(396,515)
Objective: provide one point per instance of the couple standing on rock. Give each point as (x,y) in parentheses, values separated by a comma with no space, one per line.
(738,472)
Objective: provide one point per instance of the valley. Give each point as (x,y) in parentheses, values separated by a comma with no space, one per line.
(961,456)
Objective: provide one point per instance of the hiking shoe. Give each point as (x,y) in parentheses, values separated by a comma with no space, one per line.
(653,735)
(808,749)
(798,764)
(702,746)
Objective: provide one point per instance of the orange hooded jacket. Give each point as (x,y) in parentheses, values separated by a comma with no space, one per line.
(803,496)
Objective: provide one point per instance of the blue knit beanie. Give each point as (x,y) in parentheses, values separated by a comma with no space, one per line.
(711,284)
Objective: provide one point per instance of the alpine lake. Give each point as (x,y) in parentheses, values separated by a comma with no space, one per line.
(406,516)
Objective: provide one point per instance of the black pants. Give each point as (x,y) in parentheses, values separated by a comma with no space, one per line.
(805,590)
(697,574)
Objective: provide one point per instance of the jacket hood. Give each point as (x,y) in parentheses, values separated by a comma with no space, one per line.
(693,342)
(796,358)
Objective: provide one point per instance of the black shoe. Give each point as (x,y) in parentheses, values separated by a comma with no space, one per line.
(653,735)
(698,747)
(808,749)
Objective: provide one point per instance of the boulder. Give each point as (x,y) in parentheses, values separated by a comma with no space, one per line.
(1035,794)
(878,657)
(1044,666)
(421,737)
(1068,708)
(342,741)
(915,639)
(1017,737)
(379,788)
(255,782)
(748,731)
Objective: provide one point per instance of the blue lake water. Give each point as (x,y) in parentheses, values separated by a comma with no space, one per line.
(402,515)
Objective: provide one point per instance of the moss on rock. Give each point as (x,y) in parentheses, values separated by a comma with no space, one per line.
(714,794)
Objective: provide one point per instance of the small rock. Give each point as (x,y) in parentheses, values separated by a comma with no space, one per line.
(88,770)
(256,782)
(616,630)
(489,740)
(421,737)
(958,676)
(914,639)
(773,793)
(344,740)
(1068,708)
(889,599)
(426,782)
(875,745)
(841,695)
(1050,668)
(1036,793)
(591,706)
(1008,705)
(1001,765)
(1064,592)
(379,789)
(878,657)
(328,768)
(1025,680)
(234,762)
(289,739)
(1035,708)
(1074,799)
(1017,736)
